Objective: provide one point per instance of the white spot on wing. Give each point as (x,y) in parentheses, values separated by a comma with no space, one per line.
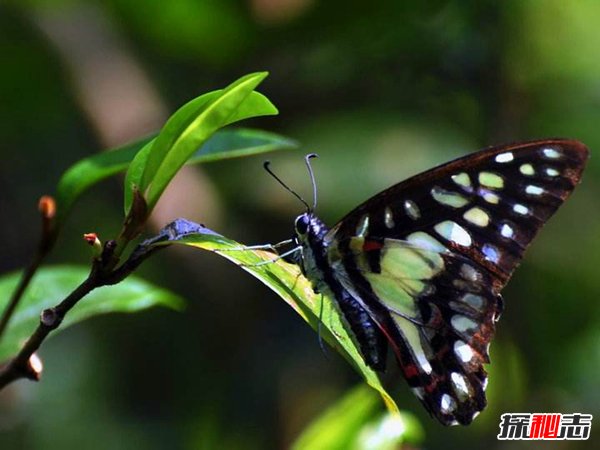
(453,232)
(460,385)
(504,157)
(551,153)
(389,218)
(552,172)
(462,323)
(506,231)
(447,404)
(412,210)
(534,190)
(463,351)
(476,301)
(491,253)
(363,226)
(521,209)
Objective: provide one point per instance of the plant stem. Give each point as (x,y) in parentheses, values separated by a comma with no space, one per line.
(50,319)
(103,273)
(47,208)
(18,292)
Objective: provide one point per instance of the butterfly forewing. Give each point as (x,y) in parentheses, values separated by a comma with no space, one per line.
(487,206)
(428,257)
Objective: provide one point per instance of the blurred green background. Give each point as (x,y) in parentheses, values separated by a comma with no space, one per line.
(381,90)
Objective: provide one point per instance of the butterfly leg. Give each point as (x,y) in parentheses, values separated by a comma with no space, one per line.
(242,248)
(277,258)
(319,328)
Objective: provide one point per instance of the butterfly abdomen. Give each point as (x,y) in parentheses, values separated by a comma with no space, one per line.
(321,274)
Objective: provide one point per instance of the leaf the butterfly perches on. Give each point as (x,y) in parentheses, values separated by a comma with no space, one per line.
(420,266)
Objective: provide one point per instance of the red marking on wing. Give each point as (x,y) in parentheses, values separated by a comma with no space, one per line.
(410,370)
(370,245)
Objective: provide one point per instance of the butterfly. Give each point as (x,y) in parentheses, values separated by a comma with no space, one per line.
(419,267)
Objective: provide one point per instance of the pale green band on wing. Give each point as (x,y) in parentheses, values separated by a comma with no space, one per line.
(415,341)
(491,180)
(462,179)
(405,270)
(448,198)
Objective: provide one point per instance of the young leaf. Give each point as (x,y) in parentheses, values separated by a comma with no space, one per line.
(189,128)
(51,284)
(226,144)
(355,422)
(288,282)
(91,170)
(223,144)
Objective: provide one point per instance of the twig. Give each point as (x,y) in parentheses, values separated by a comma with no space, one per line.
(18,292)
(20,366)
(103,273)
(47,210)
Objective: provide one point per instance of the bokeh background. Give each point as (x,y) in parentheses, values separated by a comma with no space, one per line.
(381,90)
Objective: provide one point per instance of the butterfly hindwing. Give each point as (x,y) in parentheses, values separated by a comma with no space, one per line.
(428,257)
(438,313)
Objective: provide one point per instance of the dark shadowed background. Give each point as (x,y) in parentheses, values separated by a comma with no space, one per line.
(381,90)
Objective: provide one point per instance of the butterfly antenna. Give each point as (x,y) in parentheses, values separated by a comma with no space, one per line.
(312,177)
(287,188)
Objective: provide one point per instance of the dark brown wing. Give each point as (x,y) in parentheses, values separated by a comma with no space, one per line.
(487,206)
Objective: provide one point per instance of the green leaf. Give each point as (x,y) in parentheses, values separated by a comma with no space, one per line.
(223,144)
(355,422)
(52,284)
(338,427)
(91,170)
(188,129)
(226,144)
(288,282)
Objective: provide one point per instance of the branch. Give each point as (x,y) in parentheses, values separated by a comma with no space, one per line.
(47,209)
(21,366)
(25,364)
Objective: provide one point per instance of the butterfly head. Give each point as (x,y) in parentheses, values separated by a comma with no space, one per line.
(301,224)
(308,226)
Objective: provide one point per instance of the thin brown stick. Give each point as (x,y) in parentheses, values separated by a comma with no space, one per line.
(18,292)
(50,319)
(47,209)
(103,273)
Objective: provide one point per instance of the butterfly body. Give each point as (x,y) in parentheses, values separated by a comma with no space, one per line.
(310,233)
(420,266)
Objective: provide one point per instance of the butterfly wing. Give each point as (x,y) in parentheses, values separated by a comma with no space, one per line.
(487,206)
(428,257)
(437,311)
